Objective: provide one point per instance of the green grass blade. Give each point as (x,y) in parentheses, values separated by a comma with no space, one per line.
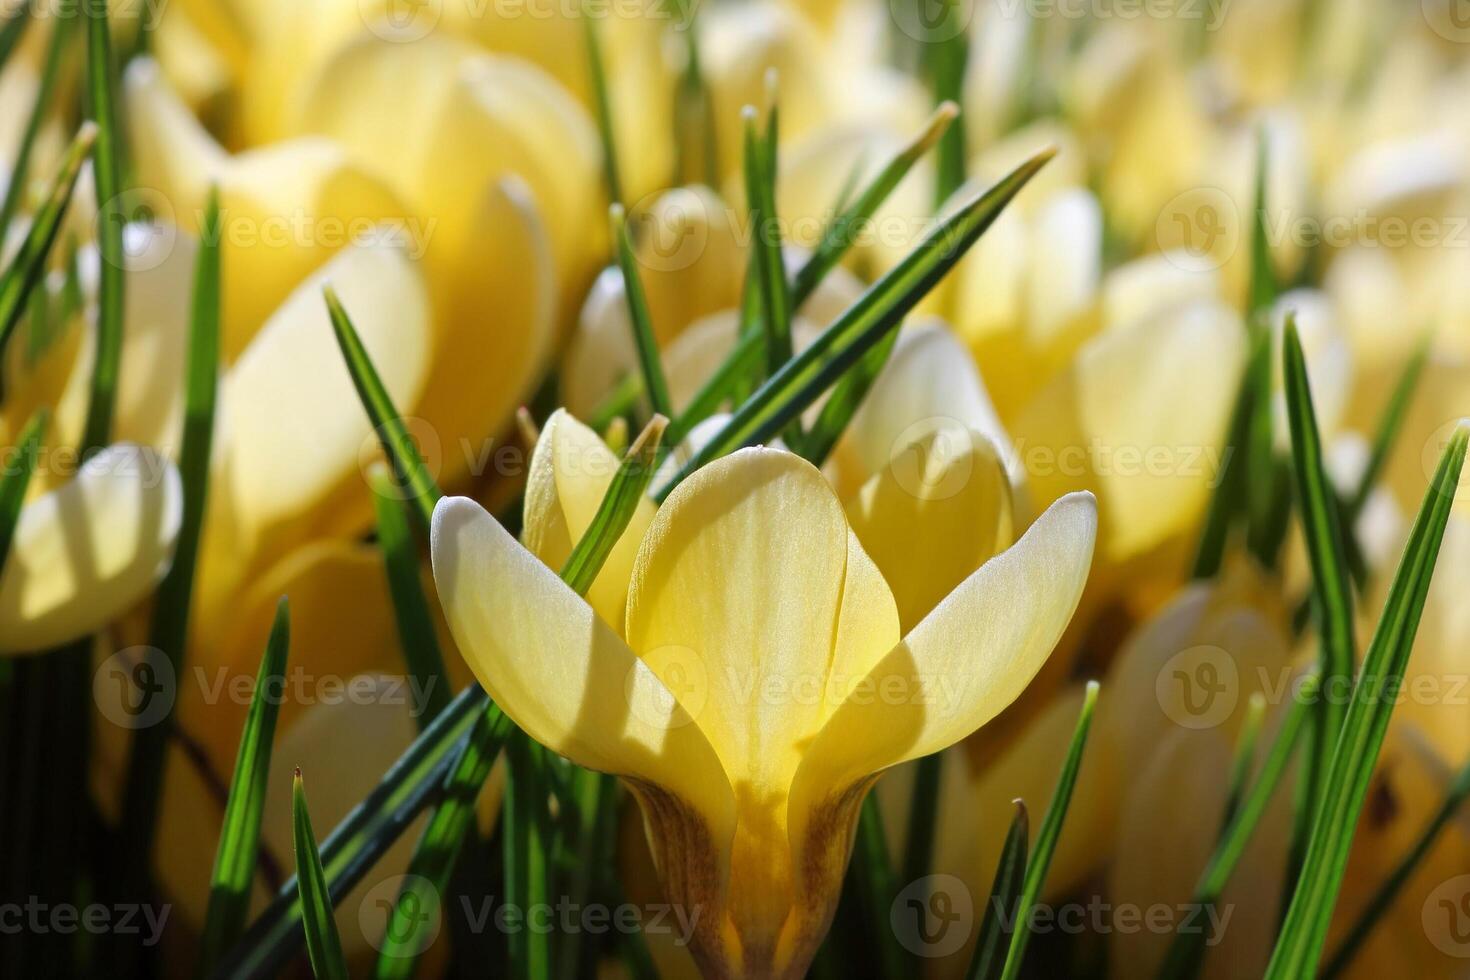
(1228,501)
(363,836)
(1390,424)
(1383,898)
(612,182)
(16,478)
(107,178)
(627,488)
(1187,951)
(411,614)
(840,406)
(1304,932)
(323,944)
(643,338)
(947,59)
(841,232)
(872,877)
(239,839)
(918,845)
(1263,288)
(50,71)
(760,195)
(1245,754)
(1010,877)
(696,157)
(437,850)
(1317,504)
(29,264)
(1046,838)
(169,629)
(398,444)
(526,840)
(740,366)
(13,30)
(879,310)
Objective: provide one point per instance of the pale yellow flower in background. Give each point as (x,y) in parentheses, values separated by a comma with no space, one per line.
(751,815)
(1098,426)
(87,552)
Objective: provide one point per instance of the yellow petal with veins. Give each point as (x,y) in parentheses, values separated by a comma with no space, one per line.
(571,470)
(771,524)
(932,517)
(561,673)
(969,658)
(85,553)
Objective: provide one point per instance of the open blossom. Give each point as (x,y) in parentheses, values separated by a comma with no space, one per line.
(760,682)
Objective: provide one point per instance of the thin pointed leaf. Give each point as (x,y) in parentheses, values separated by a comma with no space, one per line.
(323,944)
(437,850)
(1263,288)
(1245,754)
(841,232)
(1390,424)
(239,839)
(638,317)
(627,488)
(918,848)
(695,143)
(774,293)
(13,30)
(802,379)
(847,396)
(1228,501)
(873,877)
(16,478)
(1187,951)
(1383,899)
(50,71)
(1299,946)
(29,264)
(1010,876)
(411,614)
(363,836)
(612,182)
(397,442)
(1046,838)
(526,847)
(169,629)
(107,179)
(1317,504)
(947,59)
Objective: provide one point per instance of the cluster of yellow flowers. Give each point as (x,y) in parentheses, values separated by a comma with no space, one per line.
(1013,509)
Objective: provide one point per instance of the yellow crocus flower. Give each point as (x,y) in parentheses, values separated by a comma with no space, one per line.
(752,718)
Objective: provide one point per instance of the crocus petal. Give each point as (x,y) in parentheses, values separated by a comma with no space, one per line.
(1141,289)
(933,516)
(771,525)
(285,208)
(496,319)
(1098,426)
(967,659)
(930,384)
(291,426)
(558,670)
(571,470)
(86,552)
(1170,823)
